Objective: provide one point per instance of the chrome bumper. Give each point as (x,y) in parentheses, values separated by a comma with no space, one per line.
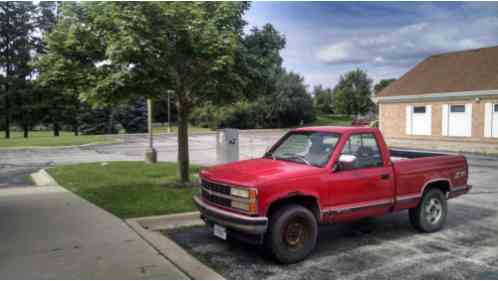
(242,223)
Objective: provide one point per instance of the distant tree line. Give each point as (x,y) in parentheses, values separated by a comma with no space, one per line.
(39,89)
(351,96)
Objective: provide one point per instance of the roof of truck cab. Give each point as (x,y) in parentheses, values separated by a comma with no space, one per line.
(339,130)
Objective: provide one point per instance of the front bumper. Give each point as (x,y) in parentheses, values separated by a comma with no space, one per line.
(234,221)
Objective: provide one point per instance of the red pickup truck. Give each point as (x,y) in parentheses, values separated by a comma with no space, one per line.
(319,175)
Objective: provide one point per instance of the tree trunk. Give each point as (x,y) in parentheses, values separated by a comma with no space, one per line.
(55,120)
(7,116)
(183,156)
(76,124)
(26,131)
(56,129)
(76,129)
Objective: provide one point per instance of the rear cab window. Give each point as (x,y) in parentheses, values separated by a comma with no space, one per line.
(365,148)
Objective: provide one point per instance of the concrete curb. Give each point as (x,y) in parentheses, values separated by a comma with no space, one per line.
(147,228)
(42,178)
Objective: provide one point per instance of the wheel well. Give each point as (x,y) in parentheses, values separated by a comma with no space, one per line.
(307,201)
(442,185)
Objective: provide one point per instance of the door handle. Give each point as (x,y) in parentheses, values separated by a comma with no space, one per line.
(384,177)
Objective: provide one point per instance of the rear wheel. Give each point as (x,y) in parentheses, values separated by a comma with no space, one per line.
(430,214)
(292,234)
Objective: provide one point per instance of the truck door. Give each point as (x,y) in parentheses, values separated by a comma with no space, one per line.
(361,184)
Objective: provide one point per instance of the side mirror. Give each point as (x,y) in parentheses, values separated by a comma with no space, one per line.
(344,162)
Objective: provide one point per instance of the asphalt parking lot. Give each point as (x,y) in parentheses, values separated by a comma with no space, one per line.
(377,248)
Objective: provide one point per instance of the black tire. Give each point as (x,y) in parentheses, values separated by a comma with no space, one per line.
(292,235)
(430,214)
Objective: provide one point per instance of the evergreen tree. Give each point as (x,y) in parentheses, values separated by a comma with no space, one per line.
(16,46)
(133,116)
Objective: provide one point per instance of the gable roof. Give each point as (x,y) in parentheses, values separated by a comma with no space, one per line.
(470,70)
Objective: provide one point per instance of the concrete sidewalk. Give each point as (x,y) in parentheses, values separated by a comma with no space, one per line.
(49,233)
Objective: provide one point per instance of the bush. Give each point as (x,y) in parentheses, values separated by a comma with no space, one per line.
(374,124)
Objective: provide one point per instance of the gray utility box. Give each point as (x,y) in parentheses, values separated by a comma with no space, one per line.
(227,145)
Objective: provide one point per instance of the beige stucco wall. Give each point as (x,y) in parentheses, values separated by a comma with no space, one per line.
(392,123)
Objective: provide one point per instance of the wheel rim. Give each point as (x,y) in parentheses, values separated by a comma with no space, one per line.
(434,211)
(295,233)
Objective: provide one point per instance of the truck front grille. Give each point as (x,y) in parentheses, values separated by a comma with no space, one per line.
(216,199)
(223,189)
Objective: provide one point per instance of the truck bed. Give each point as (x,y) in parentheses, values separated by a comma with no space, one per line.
(399,154)
(415,169)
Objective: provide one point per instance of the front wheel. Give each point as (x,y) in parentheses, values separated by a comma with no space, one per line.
(293,233)
(430,214)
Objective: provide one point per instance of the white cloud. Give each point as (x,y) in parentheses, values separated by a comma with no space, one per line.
(408,44)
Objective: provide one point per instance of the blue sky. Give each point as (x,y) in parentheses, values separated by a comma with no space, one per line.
(327,39)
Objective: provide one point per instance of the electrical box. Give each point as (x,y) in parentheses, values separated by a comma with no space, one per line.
(227,145)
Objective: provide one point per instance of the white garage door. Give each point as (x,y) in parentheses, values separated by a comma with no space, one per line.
(457,120)
(419,120)
(491,120)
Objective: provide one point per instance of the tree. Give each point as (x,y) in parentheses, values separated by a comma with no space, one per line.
(259,60)
(152,47)
(352,93)
(53,101)
(133,116)
(16,46)
(323,99)
(68,64)
(382,84)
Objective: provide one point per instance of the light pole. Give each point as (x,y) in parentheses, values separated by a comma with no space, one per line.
(150,153)
(169,113)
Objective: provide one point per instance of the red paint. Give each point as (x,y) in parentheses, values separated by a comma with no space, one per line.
(343,195)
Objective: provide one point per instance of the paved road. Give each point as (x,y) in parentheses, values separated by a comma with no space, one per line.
(380,248)
(50,233)
(15,164)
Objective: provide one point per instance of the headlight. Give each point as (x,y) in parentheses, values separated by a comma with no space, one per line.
(250,207)
(241,205)
(244,193)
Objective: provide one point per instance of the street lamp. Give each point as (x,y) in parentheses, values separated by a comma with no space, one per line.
(169,112)
(150,153)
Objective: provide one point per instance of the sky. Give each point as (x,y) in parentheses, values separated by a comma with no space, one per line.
(386,39)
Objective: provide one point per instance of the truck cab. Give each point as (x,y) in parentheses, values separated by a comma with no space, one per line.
(318,175)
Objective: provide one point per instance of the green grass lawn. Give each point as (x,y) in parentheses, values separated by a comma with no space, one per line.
(331,120)
(46,138)
(128,189)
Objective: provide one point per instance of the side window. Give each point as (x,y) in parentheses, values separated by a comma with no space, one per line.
(365,149)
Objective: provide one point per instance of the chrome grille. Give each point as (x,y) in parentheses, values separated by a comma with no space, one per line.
(216,199)
(223,189)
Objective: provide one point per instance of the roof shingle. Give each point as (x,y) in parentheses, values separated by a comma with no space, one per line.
(470,70)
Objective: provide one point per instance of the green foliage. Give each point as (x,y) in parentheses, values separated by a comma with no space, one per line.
(323,99)
(133,116)
(17,42)
(98,121)
(352,93)
(259,61)
(128,189)
(374,124)
(382,84)
(289,105)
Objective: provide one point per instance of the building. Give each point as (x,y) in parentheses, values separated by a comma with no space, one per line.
(447,101)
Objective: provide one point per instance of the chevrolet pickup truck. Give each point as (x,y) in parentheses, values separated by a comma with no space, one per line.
(319,175)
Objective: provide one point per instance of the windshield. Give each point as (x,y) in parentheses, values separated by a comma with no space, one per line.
(310,148)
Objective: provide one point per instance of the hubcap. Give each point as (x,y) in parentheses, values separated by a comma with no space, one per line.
(433,211)
(295,234)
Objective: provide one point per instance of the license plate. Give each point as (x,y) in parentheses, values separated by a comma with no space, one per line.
(220,231)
